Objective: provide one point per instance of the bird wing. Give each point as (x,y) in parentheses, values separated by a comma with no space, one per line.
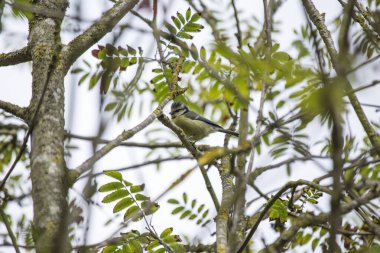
(195,116)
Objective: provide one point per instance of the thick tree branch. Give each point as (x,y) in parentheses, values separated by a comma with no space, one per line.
(96,31)
(13,109)
(15,57)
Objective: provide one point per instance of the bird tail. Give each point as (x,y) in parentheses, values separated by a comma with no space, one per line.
(227,132)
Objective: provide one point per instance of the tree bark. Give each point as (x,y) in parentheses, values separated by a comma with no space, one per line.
(49,190)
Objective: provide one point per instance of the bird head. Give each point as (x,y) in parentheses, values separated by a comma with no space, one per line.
(178,109)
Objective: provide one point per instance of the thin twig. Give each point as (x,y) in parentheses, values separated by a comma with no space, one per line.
(96,139)
(136,166)
(9,229)
(238,33)
(269,204)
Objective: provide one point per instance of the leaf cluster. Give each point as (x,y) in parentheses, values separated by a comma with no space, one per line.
(129,197)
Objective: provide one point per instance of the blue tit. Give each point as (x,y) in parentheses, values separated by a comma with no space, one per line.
(193,125)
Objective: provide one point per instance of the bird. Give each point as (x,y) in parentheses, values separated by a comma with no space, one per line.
(193,125)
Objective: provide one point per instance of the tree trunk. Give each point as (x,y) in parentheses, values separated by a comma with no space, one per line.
(49,188)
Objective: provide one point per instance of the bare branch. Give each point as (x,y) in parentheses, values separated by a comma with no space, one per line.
(97,140)
(4,218)
(96,31)
(15,57)
(13,109)
(136,166)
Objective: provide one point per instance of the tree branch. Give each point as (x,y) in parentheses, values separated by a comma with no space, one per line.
(289,185)
(155,161)
(97,140)
(318,21)
(13,109)
(96,31)
(125,135)
(194,152)
(15,57)
(9,229)
(312,219)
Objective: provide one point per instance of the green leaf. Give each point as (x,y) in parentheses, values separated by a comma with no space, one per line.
(166,232)
(192,28)
(194,52)
(124,63)
(205,213)
(114,174)
(322,232)
(157,78)
(153,207)
(200,208)
(115,196)
(122,204)
(195,17)
(102,54)
(173,201)
(184,197)
(281,56)
(136,247)
(203,53)
(131,50)
(111,186)
(184,35)
(93,80)
(314,244)
(171,28)
(137,188)
(178,210)
(141,197)
(110,106)
(127,183)
(109,249)
(132,212)
(193,203)
(153,245)
(76,70)
(305,239)
(83,78)
(176,22)
(181,18)
(280,104)
(188,14)
(185,214)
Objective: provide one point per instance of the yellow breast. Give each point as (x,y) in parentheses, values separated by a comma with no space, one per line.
(194,129)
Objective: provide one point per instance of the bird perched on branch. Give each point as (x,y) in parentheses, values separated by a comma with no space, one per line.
(193,125)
